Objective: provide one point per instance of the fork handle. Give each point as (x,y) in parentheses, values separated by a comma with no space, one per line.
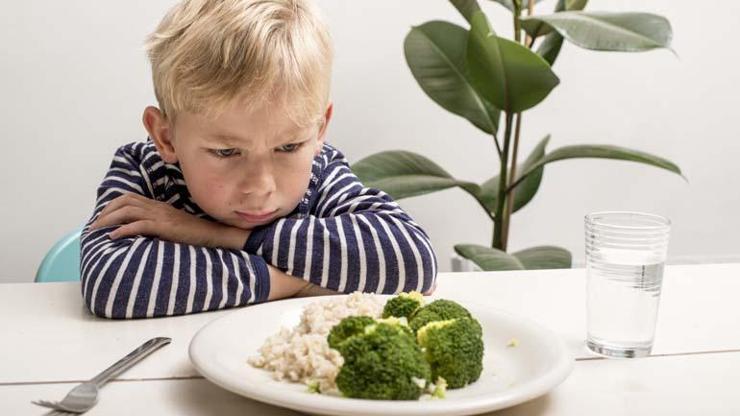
(129,360)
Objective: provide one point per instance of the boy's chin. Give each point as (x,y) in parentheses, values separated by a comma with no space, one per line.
(243,225)
(236,223)
(246,227)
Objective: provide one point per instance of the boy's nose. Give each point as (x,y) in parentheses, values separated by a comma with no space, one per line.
(257,178)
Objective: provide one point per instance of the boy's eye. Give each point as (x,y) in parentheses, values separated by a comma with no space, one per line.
(224,152)
(290,147)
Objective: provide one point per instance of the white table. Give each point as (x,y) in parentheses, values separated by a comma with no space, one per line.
(50,342)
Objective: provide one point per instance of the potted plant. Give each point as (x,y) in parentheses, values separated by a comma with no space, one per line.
(491,81)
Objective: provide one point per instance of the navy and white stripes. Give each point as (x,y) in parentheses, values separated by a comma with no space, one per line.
(342,236)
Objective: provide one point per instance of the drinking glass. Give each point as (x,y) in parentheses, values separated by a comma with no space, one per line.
(625,255)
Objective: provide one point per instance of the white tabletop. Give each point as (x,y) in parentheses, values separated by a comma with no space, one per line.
(703,384)
(50,341)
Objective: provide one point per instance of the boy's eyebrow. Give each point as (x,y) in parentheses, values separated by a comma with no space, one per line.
(230,139)
(226,139)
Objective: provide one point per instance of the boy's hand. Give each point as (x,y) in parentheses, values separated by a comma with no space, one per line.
(283,285)
(143,216)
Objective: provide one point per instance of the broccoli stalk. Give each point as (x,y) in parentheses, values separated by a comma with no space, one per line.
(437,390)
(313,387)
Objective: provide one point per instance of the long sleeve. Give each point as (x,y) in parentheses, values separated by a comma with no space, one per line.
(353,238)
(146,277)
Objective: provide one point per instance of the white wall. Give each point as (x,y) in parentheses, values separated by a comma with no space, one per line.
(74,81)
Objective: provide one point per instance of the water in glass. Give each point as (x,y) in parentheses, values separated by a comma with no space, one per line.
(623,295)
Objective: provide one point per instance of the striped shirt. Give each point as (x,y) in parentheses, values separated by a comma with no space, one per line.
(341,236)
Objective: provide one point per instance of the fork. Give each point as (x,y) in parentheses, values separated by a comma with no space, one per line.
(84,396)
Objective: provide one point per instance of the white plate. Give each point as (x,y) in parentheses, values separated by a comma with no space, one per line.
(511,375)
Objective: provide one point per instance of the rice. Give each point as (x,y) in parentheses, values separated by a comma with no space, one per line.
(302,354)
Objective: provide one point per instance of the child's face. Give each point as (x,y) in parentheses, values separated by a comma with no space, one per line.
(244,168)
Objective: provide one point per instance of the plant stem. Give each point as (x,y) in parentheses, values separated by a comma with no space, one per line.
(513,184)
(530,9)
(498,147)
(499,220)
(512,178)
(506,198)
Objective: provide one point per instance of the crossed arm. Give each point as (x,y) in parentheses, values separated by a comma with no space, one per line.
(136,215)
(142,257)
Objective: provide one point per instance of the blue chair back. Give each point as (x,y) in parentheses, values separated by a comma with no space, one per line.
(62,262)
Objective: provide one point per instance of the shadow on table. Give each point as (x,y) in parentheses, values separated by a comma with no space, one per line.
(208,399)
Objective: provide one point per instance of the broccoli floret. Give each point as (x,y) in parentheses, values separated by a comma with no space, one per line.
(403,305)
(400,323)
(351,325)
(439,310)
(454,349)
(383,363)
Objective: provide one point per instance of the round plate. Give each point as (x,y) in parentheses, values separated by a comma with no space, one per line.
(511,374)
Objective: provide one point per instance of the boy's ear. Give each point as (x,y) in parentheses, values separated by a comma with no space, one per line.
(160,130)
(324,125)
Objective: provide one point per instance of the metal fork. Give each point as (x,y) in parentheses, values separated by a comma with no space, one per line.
(84,396)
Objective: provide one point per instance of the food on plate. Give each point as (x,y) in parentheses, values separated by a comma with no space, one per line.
(302,354)
(454,350)
(403,305)
(358,346)
(383,362)
(439,310)
(351,325)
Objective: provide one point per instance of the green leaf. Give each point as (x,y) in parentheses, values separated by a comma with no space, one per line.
(603,152)
(488,258)
(625,32)
(507,74)
(575,4)
(544,257)
(541,257)
(509,4)
(404,174)
(535,28)
(525,190)
(549,49)
(489,193)
(435,53)
(466,7)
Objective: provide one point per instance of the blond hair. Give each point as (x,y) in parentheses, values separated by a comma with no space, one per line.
(207,53)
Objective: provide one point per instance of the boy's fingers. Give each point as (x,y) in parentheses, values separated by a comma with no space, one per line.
(123,215)
(142,227)
(122,200)
(113,206)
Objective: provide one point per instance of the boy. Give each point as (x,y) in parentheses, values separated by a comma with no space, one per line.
(235,198)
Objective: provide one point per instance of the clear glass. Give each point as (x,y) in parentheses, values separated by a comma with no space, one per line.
(625,255)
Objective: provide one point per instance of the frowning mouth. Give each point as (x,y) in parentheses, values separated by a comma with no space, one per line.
(256,216)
